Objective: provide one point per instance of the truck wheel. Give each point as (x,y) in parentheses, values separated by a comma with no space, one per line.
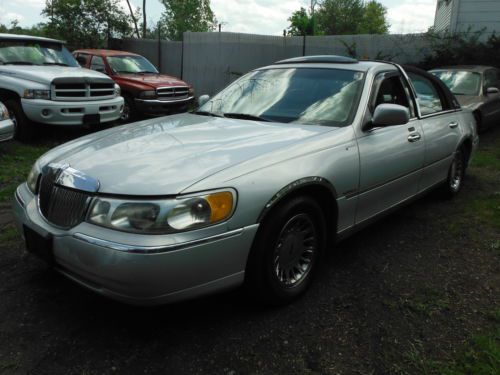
(286,251)
(128,113)
(24,130)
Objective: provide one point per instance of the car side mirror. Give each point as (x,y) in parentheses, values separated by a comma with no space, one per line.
(81,60)
(390,115)
(203,99)
(492,90)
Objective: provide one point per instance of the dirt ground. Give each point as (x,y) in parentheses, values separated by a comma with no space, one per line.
(403,296)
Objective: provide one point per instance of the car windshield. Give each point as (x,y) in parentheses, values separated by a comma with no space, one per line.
(298,95)
(131,64)
(460,82)
(34,52)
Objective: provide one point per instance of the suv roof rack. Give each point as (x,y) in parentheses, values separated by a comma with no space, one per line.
(321,59)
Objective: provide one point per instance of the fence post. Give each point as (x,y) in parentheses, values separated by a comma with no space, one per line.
(304,45)
(159,49)
(182,56)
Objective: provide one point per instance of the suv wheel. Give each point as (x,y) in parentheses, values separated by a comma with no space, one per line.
(285,254)
(128,109)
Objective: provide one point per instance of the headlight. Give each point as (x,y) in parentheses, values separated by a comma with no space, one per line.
(36,94)
(118,90)
(163,216)
(32,180)
(4,112)
(191,91)
(147,94)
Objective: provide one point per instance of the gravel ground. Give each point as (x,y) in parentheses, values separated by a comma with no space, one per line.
(399,297)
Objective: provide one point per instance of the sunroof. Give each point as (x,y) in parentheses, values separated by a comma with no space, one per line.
(329,59)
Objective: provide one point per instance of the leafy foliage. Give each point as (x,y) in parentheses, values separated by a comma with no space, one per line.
(186,15)
(300,23)
(39,29)
(86,23)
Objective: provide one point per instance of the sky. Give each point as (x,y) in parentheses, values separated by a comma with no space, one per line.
(247,16)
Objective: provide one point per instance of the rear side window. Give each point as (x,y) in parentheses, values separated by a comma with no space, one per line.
(98,64)
(491,78)
(428,96)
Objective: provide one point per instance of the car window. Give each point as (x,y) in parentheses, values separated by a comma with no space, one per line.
(83,59)
(491,78)
(98,64)
(428,96)
(460,82)
(391,90)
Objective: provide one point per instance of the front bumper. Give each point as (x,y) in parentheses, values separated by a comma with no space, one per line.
(157,107)
(71,113)
(6,130)
(142,269)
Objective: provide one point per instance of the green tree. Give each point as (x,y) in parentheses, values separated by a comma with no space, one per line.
(187,15)
(300,23)
(39,29)
(340,17)
(374,19)
(86,23)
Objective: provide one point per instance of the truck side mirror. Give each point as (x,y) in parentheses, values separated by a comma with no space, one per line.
(390,115)
(492,90)
(203,99)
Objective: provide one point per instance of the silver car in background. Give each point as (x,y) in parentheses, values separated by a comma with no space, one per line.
(252,188)
(477,88)
(6,124)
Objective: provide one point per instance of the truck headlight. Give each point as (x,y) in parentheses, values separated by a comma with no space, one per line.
(36,94)
(163,216)
(118,90)
(4,112)
(147,94)
(32,180)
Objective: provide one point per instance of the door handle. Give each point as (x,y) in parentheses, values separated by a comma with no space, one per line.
(413,137)
(453,124)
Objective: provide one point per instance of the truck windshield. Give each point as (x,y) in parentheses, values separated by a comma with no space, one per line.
(131,64)
(34,52)
(299,95)
(460,82)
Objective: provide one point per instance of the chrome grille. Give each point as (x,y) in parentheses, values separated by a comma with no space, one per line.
(59,205)
(72,89)
(173,93)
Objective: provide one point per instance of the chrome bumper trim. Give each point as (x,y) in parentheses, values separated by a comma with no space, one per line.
(137,249)
(19,198)
(157,101)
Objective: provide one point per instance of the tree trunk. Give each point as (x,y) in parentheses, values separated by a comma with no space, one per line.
(133,19)
(144,19)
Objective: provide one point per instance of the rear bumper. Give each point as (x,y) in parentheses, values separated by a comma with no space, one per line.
(71,113)
(6,130)
(155,106)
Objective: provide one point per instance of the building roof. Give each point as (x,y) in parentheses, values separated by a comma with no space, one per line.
(105,52)
(28,37)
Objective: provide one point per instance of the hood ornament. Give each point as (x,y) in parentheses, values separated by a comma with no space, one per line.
(72,178)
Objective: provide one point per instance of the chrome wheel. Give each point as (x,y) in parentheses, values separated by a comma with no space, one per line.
(295,250)
(13,117)
(125,116)
(457,172)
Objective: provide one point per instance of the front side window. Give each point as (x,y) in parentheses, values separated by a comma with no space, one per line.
(98,64)
(33,52)
(300,95)
(131,65)
(460,82)
(428,97)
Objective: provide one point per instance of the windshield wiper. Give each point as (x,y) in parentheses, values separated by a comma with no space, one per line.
(245,116)
(55,63)
(18,63)
(207,113)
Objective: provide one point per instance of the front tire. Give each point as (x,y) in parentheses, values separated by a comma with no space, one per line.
(129,111)
(286,252)
(24,129)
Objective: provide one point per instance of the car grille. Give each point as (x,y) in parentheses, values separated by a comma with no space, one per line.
(173,93)
(82,89)
(61,206)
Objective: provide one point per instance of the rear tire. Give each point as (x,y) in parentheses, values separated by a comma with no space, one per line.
(456,174)
(24,129)
(286,252)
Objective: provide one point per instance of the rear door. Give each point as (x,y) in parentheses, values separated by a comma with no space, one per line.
(391,158)
(439,123)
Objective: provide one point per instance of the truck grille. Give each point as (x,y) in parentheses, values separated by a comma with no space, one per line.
(61,206)
(173,93)
(68,89)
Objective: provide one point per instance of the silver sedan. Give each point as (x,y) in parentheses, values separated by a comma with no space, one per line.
(252,188)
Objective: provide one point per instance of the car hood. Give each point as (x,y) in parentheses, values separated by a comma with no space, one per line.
(469,101)
(45,74)
(165,156)
(153,80)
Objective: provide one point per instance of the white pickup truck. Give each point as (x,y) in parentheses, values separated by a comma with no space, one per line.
(41,82)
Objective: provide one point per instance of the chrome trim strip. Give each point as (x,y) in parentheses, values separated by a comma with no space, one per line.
(156,101)
(137,249)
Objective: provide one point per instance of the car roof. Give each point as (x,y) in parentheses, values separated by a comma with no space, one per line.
(332,61)
(105,52)
(28,37)
(469,68)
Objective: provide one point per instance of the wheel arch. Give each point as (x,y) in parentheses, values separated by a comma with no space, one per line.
(6,94)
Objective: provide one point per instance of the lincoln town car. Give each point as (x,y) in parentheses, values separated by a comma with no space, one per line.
(252,188)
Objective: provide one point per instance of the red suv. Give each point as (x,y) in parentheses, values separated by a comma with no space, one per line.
(144,89)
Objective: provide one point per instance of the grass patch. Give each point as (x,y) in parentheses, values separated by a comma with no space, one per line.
(485,209)
(16,160)
(8,234)
(488,158)
(427,302)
